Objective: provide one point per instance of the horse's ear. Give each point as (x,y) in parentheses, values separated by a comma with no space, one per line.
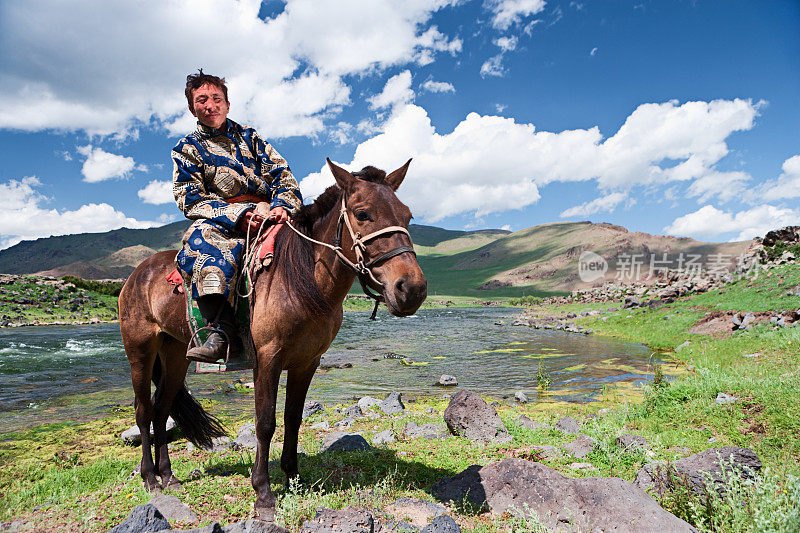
(394,179)
(343,178)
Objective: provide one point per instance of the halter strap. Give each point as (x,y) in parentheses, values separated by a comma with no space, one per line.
(360,267)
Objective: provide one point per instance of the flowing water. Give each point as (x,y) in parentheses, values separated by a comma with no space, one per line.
(50,374)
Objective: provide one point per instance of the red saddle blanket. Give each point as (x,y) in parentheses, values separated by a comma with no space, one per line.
(265,249)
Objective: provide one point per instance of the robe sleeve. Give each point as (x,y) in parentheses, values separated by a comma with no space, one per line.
(283,187)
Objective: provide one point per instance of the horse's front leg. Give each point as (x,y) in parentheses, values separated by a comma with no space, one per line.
(266,375)
(296,389)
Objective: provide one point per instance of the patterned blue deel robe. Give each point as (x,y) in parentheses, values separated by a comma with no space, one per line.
(212,167)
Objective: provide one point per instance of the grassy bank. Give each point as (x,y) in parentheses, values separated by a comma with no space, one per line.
(79,475)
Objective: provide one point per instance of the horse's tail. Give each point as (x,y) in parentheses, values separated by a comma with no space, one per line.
(196,425)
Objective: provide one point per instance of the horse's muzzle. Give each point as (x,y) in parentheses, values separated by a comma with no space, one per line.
(406,294)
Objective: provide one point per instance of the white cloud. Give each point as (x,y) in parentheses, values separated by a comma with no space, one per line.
(438,87)
(24,218)
(285,74)
(500,107)
(101,165)
(490,164)
(506,44)
(604,204)
(788,183)
(593,52)
(157,192)
(493,66)
(509,12)
(506,227)
(396,91)
(726,186)
(709,222)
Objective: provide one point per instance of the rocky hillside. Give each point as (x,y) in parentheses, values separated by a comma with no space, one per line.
(541,260)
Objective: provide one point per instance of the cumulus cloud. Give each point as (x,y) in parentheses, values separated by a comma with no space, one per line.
(285,73)
(788,183)
(157,192)
(438,87)
(101,165)
(489,164)
(396,91)
(604,204)
(24,218)
(493,66)
(709,222)
(506,44)
(506,13)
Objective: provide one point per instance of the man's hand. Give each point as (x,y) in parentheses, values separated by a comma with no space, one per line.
(278,215)
(250,222)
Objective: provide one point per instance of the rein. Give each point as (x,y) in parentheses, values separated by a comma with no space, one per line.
(361,267)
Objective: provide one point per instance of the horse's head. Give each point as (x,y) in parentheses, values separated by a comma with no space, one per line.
(376,220)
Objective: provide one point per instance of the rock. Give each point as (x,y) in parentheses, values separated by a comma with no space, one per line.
(418,512)
(582,466)
(254,526)
(367,402)
(527,423)
(142,519)
(245,438)
(586,504)
(210,528)
(348,520)
(520,397)
(632,443)
(751,355)
(682,451)
(324,425)
(344,424)
(604,411)
(133,437)
(354,411)
(546,452)
(700,471)
(344,442)
(442,524)
(682,346)
(447,381)
(469,416)
(384,437)
(393,404)
(723,398)
(580,447)
(312,407)
(631,303)
(425,431)
(431,411)
(219,444)
(568,425)
(173,509)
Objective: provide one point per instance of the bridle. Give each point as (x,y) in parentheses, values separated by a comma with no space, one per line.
(361,267)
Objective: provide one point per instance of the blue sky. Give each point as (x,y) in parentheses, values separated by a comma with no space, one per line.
(663,116)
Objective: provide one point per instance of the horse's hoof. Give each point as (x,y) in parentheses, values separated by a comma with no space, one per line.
(152,486)
(265,514)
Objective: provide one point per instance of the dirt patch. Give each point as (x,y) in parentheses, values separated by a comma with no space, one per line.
(718,324)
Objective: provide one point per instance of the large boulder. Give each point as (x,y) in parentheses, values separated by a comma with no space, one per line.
(469,416)
(588,504)
(173,509)
(393,404)
(705,470)
(143,519)
(344,442)
(348,520)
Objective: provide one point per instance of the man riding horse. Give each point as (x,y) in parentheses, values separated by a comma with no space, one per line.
(229,181)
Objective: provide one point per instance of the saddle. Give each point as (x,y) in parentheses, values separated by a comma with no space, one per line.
(263,254)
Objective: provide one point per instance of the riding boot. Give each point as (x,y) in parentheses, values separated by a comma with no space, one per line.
(218,314)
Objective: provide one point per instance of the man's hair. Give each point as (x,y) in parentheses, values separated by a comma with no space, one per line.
(195,81)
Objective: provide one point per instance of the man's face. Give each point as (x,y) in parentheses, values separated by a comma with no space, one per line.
(210,106)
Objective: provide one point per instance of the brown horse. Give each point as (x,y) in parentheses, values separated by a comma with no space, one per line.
(297,312)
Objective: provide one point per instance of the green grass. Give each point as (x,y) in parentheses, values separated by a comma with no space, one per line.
(78,473)
(28,301)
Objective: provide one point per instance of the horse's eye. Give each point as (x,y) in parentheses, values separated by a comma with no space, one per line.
(363,216)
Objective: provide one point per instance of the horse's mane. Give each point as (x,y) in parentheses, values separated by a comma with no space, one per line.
(295,255)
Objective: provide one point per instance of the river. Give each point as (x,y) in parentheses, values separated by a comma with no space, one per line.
(56,373)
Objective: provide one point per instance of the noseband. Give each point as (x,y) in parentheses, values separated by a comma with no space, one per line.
(361,267)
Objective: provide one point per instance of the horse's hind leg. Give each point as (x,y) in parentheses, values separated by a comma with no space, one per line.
(297,385)
(141,358)
(267,373)
(173,365)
